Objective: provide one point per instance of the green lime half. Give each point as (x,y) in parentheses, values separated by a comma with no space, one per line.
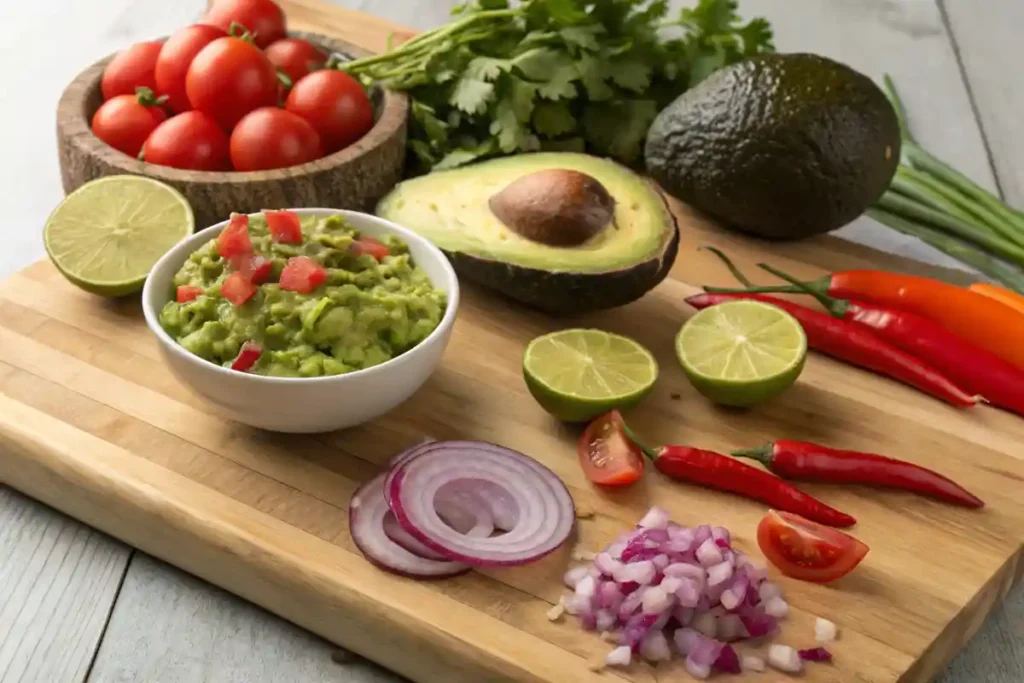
(107,235)
(579,374)
(741,353)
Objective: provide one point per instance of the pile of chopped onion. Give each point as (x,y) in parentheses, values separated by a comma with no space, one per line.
(664,588)
(436,510)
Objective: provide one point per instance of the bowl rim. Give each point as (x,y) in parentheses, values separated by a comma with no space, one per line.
(189,244)
(391,117)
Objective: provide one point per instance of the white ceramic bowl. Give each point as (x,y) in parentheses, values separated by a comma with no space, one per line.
(314,404)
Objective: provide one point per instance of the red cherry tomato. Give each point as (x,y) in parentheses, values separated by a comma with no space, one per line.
(295,57)
(606,454)
(806,550)
(262,18)
(247,356)
(191,140)
(336,105)
(186,293)
(175,57)
(233,241)
(302,274)
(272,138)
(229,78)
(237,288)
(125,121)
(284,226)
(368,245)
(130,69)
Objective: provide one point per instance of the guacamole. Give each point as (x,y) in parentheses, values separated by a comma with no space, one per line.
(288,296)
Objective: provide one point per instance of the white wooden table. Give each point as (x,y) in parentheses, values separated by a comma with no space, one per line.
(76,605)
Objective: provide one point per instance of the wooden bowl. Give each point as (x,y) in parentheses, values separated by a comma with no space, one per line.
(352,178)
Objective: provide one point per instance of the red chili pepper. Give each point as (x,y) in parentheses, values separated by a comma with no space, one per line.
(723,473)
(854,344)
(808,461)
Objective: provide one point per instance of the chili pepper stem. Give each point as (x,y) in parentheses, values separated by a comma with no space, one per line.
(763,454)
(651,453)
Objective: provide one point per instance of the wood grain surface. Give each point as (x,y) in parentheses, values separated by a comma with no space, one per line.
(352,178)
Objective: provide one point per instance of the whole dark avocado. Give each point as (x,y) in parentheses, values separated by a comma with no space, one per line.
(783,146)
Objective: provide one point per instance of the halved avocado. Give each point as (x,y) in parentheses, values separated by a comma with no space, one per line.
(557,231)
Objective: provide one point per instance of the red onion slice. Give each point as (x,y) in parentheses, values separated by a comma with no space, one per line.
(546,510)
(366,513)
(394,531)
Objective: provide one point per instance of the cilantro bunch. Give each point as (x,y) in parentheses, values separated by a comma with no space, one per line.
(569,75)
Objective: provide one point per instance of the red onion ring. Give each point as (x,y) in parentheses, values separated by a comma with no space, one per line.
(546,510)
(366,513)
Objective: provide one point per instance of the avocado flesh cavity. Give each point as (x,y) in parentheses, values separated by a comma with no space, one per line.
(623,260)
(784,146)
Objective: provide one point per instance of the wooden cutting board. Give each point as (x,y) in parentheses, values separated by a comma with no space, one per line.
(92,423)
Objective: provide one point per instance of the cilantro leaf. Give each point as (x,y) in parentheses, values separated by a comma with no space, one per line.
(506,126)
(521,95)
(471,95)
(553,119)
(630,74)
(594,75)
(560,83)
(584,37)
(618,130)
(464,155)
(553,70)
(565,145)
(487,68)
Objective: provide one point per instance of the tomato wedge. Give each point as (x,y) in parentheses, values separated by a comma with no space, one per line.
(606,455)
(233,240)
(371,246)
(806,550)
(237,288)
(186,293)
(247,356)
(284,226)
(302,274)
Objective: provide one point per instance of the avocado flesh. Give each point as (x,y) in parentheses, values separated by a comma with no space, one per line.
(784,146)
(617,265)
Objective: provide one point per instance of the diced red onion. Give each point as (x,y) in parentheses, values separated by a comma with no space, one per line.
(758,624)
(636,628)
(701,534)
(609,596)
(605,619)
(654,647)
(698,671)
(656,518)
(719,574)
(637,572)
(704,651)
(685,638)
(709,554)
(730,628)
(728,661)
(605,564)
(688,593)
(587,587)
(824,630)
(769,590)
(785,658)
(721,536)
(630,604)
(656,600)
(751,663)
(575,575)
(546,511)
(683,615)
(776,607)
(735,594)
(660,560)
(670,584)
(620,656)
(815,654)
(366,524)
(706,624)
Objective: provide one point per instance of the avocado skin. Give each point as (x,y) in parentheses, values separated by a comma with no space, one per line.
(784,146)
(568,293)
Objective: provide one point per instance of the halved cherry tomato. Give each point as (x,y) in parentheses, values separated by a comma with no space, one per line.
(129,69)
(176,56)
(302,274)
(233,241)
(606,455)
(247,356)
(237,288)
(806,550)
(125,121)
(263,18)
(186,293)
(369,245)
(284,226)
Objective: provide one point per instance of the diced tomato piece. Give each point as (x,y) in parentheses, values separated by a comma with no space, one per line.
(302,274)
(187,293)
(237,288)
(234,239)
(256,268)
(247,356)
(606,454)
(371,246)
(284,226)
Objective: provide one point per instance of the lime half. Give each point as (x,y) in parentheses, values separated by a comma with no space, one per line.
(107,235)
(740,353)
(579,374)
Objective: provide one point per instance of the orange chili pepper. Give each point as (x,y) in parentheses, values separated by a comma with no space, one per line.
(1008,297)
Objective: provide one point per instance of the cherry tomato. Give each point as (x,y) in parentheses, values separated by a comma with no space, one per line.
(336,105)
(606,454)
(233,241)
(302,274)
(125,121)
(284,226)
(262,18)
(368,245)
(247,356)
(295,57)
(229,78)
(175,57)
(273,138)
(191,140)
(186,293)
(237,288)
(806,550)
(129,69)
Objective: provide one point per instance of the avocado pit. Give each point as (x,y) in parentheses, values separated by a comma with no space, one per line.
(556,206)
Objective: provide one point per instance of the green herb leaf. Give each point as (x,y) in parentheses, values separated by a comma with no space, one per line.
(630,74)
(619,130)
(584,37)
(553,119)
(487,68)
(471,95)
(578,145)
(506,126)
(521,95)
(464,155)
(594,75)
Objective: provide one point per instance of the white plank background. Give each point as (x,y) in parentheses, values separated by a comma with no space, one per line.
(77,606)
